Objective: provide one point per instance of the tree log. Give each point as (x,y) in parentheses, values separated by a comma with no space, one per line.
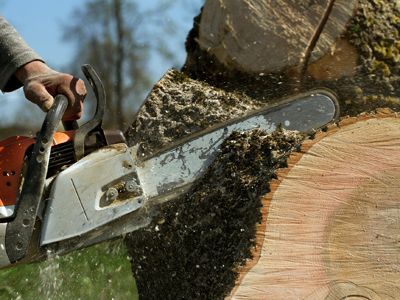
(356,54)
(331,224)
(328,228)
(268,36)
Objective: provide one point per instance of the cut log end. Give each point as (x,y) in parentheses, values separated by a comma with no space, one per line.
(331,224)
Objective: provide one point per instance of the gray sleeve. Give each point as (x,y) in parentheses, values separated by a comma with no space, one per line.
(14,53)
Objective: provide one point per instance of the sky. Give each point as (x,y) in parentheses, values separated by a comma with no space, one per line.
(40,23)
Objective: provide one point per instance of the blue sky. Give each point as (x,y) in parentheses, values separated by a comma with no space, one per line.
(40,24)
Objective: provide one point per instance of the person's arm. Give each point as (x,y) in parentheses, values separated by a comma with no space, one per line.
(21,66)
(14,53)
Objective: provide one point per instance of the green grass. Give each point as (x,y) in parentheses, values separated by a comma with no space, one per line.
(99,272)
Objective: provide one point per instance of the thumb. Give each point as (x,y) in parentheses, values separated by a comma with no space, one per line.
(37,93)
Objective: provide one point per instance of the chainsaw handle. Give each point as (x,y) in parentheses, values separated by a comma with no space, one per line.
(57,111)
(19,230)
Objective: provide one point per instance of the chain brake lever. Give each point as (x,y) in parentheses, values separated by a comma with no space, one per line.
(95,124)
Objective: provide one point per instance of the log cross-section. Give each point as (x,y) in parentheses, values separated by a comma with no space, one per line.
(331,225)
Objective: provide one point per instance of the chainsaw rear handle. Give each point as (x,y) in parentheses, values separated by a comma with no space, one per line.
(19,230)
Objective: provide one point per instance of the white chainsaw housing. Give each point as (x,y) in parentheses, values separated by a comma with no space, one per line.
(74,206)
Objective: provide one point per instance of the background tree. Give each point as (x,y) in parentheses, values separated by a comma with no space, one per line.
(119,38)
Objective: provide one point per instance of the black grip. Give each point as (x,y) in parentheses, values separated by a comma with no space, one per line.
(19,230)
(70,125)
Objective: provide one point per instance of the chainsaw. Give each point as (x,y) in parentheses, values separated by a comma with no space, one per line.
(62,191)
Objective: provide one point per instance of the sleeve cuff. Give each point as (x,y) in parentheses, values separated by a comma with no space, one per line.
(8,81)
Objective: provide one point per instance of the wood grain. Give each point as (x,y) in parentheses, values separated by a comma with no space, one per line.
(332,222)
(262,36)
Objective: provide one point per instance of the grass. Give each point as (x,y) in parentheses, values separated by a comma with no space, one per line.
(99,272)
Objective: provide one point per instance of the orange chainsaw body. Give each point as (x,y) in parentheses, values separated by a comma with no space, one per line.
(13,151)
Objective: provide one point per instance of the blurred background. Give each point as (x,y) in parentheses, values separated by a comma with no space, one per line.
(131,43)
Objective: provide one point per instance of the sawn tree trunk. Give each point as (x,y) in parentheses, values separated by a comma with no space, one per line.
(281,215)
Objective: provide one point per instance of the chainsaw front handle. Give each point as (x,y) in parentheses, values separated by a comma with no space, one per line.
(19,230)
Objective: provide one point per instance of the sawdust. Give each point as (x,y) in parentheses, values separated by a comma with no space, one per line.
(178,106)
(193,248)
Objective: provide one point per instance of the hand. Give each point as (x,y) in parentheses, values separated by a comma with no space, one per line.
(41,84)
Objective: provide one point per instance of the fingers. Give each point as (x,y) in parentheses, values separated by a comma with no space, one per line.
(41,90)
(79,88)
(41,84)
(38,94)
(75,91)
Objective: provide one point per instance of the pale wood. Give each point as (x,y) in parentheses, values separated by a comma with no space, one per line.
(263,36)
(331,225)
(341,62)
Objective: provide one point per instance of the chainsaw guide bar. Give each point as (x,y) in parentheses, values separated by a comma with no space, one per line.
(165,175)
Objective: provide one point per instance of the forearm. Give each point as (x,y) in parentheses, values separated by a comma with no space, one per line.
(14,53)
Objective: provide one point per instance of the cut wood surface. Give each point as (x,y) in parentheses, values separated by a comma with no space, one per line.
(269,36)
(331,224)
